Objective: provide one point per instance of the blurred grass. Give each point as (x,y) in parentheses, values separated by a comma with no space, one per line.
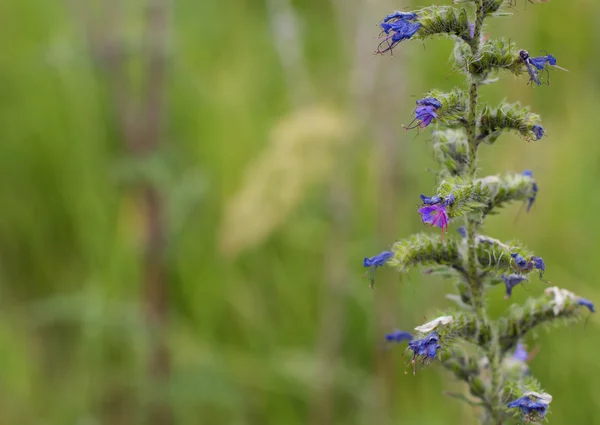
(244,329)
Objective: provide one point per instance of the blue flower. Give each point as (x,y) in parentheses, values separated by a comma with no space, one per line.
(587,303)
(520,353)
(425,349)
(374,262)
(397,26)
(534,189)
(425,112)
(398,336)
(431,201)
(435,215)
(532,409)
(538,131)
(397,15)
(429,101)
(511,281)
(463,231)
(519,260)
(538,263)
(541,61)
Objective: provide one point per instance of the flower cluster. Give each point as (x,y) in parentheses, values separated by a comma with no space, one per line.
(497,372)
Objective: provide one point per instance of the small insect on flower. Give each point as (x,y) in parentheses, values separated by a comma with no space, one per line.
(511,281)
(398,336)
(425,112)
(374,262)
(397,26)
(531,69)
(424,349)
(540,63)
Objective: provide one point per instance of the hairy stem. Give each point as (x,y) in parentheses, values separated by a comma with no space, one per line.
(491,397)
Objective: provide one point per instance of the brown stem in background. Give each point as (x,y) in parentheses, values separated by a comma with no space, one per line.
(140,124)
(154,273)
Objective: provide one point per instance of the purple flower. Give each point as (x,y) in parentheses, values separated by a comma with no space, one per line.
(472,30)
(425,112)
(463,231)
(538,263)
(538,131)
(435,215)
(402,16)
(425,349)
(431,201)
(534,189)
(429,101)
(374,262)
(398,336)
(397,26)
(511,281)
(587,303)
(520,353)
(520,261)
(533,410)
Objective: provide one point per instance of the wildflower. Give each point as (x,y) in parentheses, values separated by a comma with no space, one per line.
(397,26)
(374,262)
(520,261)
(586,303)
(472,30)
(398,336)
(425,349)
(538,131)
(428,327)
(533,408)
(397,15)
(541,61)
(425,112)
(534,189)
(435,215)
(511,281)
(463,231)
(431,201)
(429,101)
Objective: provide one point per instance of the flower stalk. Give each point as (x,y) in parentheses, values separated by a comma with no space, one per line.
(495,375)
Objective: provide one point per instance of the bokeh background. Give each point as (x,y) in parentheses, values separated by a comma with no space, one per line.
(188,189)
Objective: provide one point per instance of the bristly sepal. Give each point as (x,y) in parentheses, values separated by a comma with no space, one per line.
(511,187)
(495,55)
(453,107)
(507,117)
(555,305)
(424,250)
(451,151)
(444,20)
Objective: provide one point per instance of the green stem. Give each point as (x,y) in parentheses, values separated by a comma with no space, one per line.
(491,397)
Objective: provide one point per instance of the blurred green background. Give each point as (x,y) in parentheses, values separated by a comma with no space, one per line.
(244,156)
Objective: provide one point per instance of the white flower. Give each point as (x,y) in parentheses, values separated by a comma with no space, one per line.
(544,397)
(560,298)
(428,327)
